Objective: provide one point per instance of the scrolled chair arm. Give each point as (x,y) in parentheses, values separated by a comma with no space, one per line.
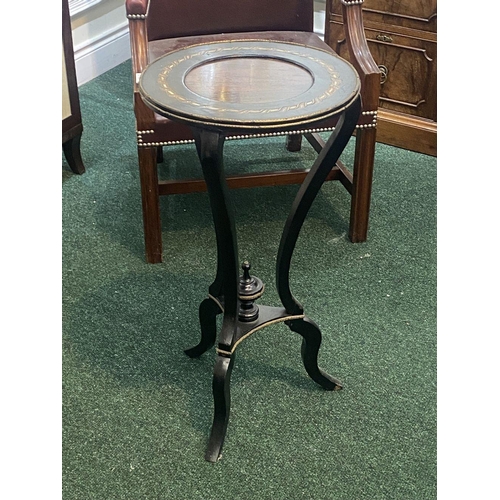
(137,11)
(360,55)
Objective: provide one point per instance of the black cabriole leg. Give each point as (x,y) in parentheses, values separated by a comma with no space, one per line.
(209,309)
(311,343)
(209,146)
(325,161)
(222,404)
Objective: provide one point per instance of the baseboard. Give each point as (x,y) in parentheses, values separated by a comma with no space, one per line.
(102,53)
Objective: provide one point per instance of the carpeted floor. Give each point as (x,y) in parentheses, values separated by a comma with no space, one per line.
(137,411)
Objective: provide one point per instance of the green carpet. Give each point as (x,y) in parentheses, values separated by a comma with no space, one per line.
(137,411)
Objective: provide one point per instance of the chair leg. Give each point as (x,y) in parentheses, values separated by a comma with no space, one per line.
(362,184)
(293,142)
(150,204)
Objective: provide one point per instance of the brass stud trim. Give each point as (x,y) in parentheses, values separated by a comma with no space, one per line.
(231,137)
(352,2)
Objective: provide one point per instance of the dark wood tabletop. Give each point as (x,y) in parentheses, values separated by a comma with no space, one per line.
(249,84)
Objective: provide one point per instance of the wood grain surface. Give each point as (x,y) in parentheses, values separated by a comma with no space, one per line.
(249,80)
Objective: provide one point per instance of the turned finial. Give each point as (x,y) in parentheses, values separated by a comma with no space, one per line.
(250,289)
(246,270)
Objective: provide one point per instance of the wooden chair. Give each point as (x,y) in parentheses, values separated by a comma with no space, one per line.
(160,26)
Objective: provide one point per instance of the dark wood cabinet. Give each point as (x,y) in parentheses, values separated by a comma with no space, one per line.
(72,127)
(402,36)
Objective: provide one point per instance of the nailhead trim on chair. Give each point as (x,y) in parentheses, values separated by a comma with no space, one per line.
(136,16)
(229,138)
(140,133)
(374,121)
(167,143)
(352,2)
(291,132)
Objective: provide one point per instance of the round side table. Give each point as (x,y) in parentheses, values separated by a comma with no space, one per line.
(253,87)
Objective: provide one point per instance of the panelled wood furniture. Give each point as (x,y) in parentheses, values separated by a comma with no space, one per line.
(158,27)
(280,87)
(402,36)
(72,127)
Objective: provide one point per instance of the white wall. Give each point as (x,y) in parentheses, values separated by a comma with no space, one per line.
(319,17)
(100,38)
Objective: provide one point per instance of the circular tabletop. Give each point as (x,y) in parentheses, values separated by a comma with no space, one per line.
(249,84)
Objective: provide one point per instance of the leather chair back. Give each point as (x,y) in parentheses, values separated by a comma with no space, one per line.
(171,19)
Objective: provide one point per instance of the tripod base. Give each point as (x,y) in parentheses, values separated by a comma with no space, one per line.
(300,324)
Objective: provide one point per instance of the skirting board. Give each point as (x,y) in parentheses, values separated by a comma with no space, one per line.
(101,54)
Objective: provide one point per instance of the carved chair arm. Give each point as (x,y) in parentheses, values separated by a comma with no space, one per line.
(136,13)
(360,55)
